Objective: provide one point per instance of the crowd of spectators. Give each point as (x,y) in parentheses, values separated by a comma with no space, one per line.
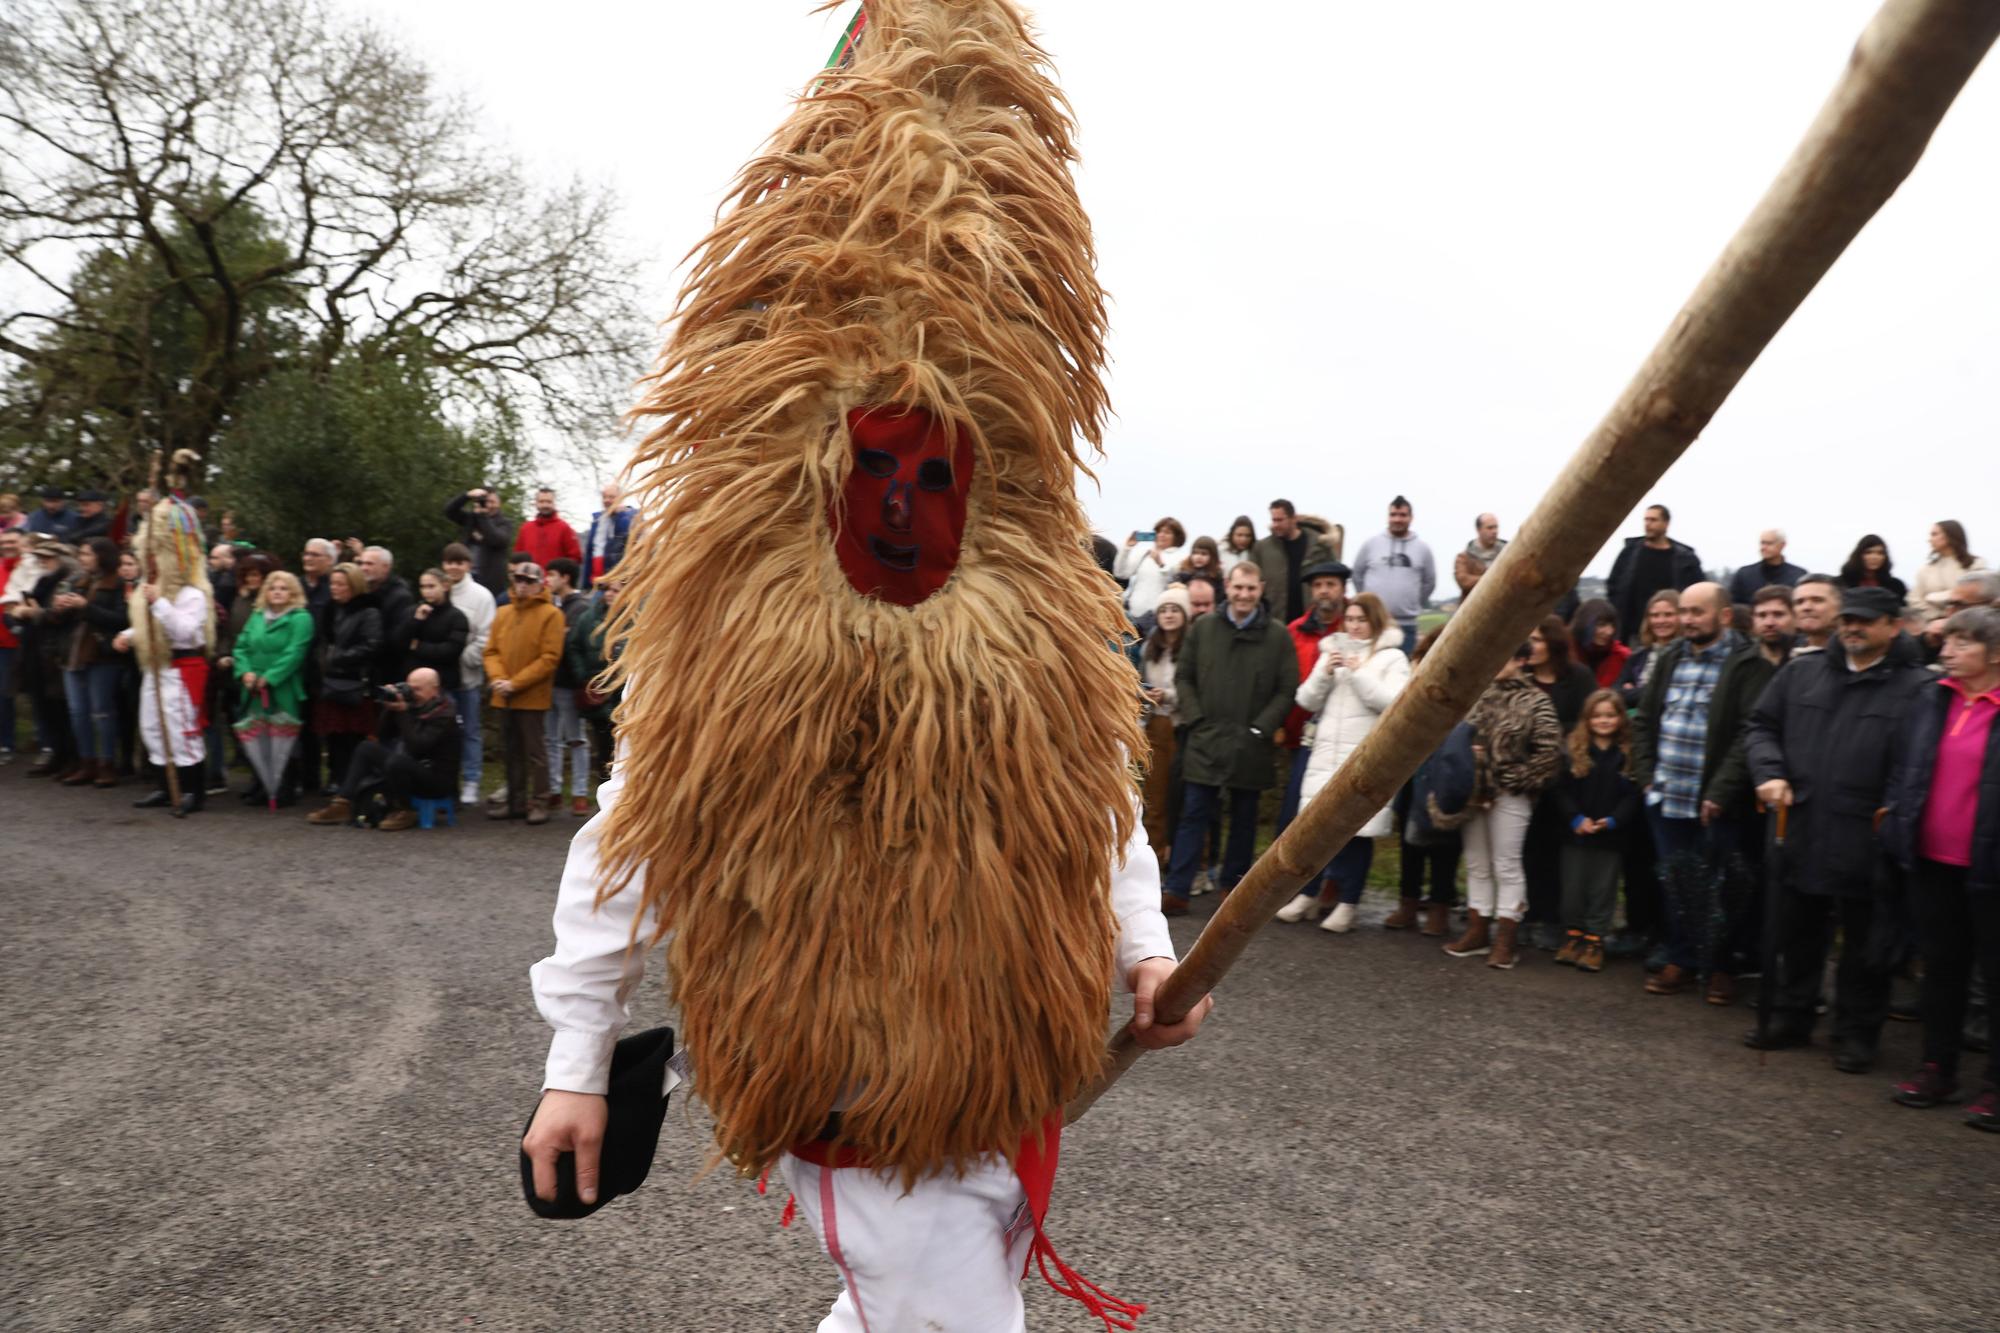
(376,693)
(1757,772)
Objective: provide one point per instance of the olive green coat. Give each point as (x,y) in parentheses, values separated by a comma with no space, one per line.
(1234,688)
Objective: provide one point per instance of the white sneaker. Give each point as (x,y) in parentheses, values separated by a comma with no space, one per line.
(1341,920)
(1204,882)
(1301,908)
(468,794)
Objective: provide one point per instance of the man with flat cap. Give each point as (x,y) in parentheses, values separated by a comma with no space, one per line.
(1819,747)
(91,520)
(55,518)
(1325,582)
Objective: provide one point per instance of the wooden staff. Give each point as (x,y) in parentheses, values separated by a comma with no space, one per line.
(1905,71)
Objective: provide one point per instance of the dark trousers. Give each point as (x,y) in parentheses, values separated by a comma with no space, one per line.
(1541,860)
(1348,870)
(1956,929)
(527,757)
(1438,860)
(1295,779)
(52,726)
(308,756)
(8,656)
(1590,887)
(1686,885)
(1806,925)
(403,778)
(1642,882)
(1203,803)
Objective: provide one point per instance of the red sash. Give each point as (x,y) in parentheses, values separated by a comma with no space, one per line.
(194,678)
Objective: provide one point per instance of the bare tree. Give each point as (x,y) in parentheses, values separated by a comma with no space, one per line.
(196,193)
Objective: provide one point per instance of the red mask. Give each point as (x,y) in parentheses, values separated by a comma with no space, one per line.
(901,516)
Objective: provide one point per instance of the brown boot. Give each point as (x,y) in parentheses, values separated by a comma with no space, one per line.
(1590,958)
(1505,954)
(1669,980)
(107,774)
(1474,941)
(1403,917)
(80,774)
(398,820)
(1721,988)
(337,813)
(1572,949)
(1173,905)
(1437,920)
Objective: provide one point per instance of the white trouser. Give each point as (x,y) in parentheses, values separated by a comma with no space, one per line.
(1495,883)
(948,1255)
(165,686)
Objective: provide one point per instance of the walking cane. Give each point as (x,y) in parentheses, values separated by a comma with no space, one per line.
(1905,71)
(1774,888)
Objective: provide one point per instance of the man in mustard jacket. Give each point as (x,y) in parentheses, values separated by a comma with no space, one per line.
(521,657)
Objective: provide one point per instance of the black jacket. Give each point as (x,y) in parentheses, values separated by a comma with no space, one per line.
(430,736)
(394,600)
(1629,601)
(436,641)
(1833,733)
(1605,792)
(1569,693)
(1749,580)
(491,539)
(1910,788)
(351,642)
(84,635)
(568,677)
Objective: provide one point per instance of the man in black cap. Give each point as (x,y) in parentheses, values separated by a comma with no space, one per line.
(1325,582)
(54,518)
(1819,748)
(91,520)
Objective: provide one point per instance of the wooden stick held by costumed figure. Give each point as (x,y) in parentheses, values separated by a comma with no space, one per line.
(1905,72)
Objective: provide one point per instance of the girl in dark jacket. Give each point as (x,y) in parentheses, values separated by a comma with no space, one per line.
(433,634)
(349,642)
(1943,826)
(90,613)
(1597,803)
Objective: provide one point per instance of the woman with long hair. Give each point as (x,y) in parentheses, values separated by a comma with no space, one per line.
(1661,626)
(343,713)
(1951,560)
(1236,547)
(91,612)
(434,632)
(1155,656)
(1594,636)
(1359,673)
(1148,566)
(1568,684)
(1869,567)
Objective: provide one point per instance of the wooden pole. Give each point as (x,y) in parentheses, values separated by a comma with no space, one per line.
(1905,71)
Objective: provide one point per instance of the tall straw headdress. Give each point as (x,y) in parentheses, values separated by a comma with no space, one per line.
(877,739)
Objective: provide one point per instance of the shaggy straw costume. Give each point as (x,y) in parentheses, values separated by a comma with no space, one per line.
(879,835)
(173,637)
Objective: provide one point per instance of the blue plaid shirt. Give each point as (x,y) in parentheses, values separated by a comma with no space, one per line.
(1684,728)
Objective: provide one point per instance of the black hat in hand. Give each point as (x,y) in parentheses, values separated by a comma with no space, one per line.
(637,1105)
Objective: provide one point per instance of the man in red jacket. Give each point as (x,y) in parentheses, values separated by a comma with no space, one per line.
(1326,584)
(546,537)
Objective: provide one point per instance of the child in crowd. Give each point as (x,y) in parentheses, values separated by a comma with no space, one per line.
(1597,801)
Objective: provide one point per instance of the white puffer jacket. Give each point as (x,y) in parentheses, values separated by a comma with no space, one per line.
(1347,701)
(1147,578)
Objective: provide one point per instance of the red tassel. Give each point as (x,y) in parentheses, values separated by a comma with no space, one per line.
(791,1210)
(1116,1313)
(763,1180)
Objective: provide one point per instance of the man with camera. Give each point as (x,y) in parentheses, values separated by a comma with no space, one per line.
(488,532)
(416,757)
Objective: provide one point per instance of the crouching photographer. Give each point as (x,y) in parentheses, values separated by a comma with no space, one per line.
(415,758)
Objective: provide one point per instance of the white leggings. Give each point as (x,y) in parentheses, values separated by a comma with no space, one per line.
(947,1255)
(182,744)
(1496,886)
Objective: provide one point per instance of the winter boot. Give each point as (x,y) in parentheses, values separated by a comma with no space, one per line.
(1590,954)
(1572,949)
(1476,939)
(1403,917)
(107,774)
(1506,951)
(337,813)
(81,774)
(1437,920)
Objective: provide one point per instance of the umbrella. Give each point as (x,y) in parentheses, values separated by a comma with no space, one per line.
(267,739)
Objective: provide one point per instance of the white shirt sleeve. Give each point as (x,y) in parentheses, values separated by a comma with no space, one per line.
(183,617)
(584,988)
(1135,901)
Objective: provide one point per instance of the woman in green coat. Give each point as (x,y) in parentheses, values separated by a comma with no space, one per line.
(270,664)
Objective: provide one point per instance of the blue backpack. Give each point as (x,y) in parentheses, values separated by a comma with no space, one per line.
(1441,791)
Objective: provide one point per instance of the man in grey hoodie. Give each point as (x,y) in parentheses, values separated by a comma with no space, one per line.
(1398,567)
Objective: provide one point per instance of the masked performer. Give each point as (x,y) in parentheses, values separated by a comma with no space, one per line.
(172,634)
(888,835)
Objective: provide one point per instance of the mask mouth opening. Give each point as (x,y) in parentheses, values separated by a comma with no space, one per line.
(901,558)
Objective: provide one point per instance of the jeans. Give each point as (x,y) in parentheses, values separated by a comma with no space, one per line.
(1348,870)
(1687,886)
(565,738)
(1191,836)
(8,656)
(93,710)
(1288,805)
(472,749)
(1496,886)
(1957,928)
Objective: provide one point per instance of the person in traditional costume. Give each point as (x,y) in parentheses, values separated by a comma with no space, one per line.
(895,852)
(173,635)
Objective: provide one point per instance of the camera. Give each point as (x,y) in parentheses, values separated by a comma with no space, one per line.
(393,694)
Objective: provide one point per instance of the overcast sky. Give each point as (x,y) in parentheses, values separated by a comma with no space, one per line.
(1357,249)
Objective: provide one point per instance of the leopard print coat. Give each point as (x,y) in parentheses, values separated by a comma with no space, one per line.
(1521,739)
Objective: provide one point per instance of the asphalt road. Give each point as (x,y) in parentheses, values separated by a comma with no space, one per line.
(261,1075)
